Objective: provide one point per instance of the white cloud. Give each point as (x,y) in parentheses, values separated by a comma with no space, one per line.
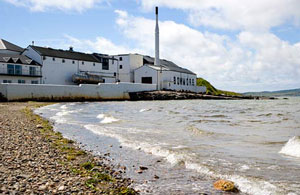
(100,45)
(64,5)
(234,14)
(250,61)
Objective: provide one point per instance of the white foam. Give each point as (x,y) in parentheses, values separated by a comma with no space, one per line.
(144,110)
(246,185)
(107,119)
(292,147)
(64,107)
(244,167)
(101,116)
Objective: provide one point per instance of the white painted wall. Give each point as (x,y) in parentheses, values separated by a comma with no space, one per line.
(145,71)
(168,79)
(61,92)
(57,72)
(60,73)
(129,63)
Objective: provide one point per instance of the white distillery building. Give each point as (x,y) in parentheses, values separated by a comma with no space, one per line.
(169,75)
(68,67)
(16,68)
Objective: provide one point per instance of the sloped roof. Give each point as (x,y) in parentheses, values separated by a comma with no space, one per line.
(17,59)
(67,54)
(168,65)
(9,46)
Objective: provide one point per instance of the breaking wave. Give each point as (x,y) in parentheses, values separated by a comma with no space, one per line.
(249,185)
(105,119)
(292,147)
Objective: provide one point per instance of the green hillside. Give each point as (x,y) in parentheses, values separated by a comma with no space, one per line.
(210,89)
(290,92)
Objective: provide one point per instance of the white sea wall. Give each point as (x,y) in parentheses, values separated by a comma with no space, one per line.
(104,91)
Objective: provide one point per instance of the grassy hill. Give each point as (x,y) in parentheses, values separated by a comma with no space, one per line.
(291,92)
(210,89)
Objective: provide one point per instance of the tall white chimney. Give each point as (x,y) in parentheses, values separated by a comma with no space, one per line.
(157,62)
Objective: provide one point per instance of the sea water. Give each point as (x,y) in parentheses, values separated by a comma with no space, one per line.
(187,145)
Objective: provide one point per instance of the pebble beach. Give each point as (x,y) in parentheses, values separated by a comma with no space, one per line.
(36,160)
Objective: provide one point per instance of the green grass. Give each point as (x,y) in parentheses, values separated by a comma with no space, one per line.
(211,90)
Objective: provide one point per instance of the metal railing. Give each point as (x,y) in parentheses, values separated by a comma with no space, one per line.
(27,73)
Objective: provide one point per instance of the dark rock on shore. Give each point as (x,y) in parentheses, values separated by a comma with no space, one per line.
(175,95)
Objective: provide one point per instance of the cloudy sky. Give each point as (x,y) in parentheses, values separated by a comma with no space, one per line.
(240,45)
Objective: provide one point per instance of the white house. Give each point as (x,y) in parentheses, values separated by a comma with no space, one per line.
(16,68)
(172,76)
(60,66)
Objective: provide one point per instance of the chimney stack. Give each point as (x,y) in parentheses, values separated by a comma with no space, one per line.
(157,62)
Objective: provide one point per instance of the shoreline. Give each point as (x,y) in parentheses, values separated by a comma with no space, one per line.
(36,159)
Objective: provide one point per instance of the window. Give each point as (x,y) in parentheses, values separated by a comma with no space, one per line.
(121,59)
(63,61)
(21,81)
(115,74)
(190,81)
(53,59)
(178,81)
(6,81)
(187,82)
(18,69)
(174,80)
(32,71)
(183,81)
(121,66)
(14,69)
(82,63)
(34,82)
(193,83)
(44,57)
(94,64)
(10,69)
(147,80)
(105,64)
(73,62)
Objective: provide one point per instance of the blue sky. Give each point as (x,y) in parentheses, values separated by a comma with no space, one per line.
(236,45)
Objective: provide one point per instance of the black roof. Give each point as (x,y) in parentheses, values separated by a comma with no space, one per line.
(167,65)
(9,46)
(17,59)
(67,54)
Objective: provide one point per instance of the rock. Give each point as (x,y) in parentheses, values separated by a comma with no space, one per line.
(61,188)
(143,168)
(39,126)
(140,171)
(156,177)
(225,185)
(43,187)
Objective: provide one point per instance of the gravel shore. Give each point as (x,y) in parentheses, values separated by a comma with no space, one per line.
(36,160)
